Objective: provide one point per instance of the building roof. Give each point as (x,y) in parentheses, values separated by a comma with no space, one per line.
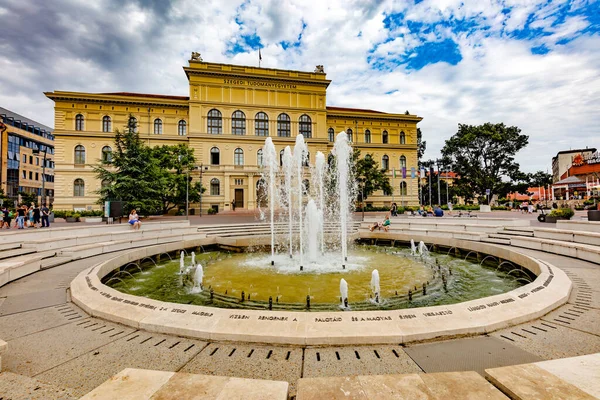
(536,191)
(331,108)
(156,96)
(585,169)
(592,149)
(566,181)
(19,117)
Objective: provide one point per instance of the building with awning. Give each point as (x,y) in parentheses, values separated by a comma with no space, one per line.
(568,188)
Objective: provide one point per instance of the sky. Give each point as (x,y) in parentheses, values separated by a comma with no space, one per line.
(528,63)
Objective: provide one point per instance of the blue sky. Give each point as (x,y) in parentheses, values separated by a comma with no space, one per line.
(530,63)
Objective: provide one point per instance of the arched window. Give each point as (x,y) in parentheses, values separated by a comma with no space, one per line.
(106,153)
(79,122)
(78,188)
(158,126)
(284,128)
(215,156)
(403,191)
(305,124)
(132,124)
(215,122)
(215,187)
(182,128)
(402,138)
(261,124)
(402,162)
(331,134)
(238,123)
(106,124)
(385,162)
(259,158)
(367,136)
(281,158)
(79,154)
(384,137)
(238,157)
(349,133)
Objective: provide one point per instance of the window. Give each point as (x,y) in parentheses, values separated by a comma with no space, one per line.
(331,134)
(182,128)
(132,124)
(402,138)
(78,188)
(30,175)
(215,156)
(349,133)
(284,128)
(215,187)
(79,154)
(158,126)
(24,158)
(385,162)
(106,124)
(238,182)
(24,174)
(402,162)
(261,124)
(403,191)
(215,122)
(305,126)
(37,161)
(367,136)
(384,137)
(259,158)
(238,157)
(31,160)
(238,123)
(106,154)
(79,122)
(37,176)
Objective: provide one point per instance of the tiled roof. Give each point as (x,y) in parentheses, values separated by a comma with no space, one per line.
(329,108)
(157,96)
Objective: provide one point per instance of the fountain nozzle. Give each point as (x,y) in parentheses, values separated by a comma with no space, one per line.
(272,262)
(301,268)
(343,266)
(346,302)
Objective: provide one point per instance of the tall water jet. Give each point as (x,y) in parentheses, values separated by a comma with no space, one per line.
(193,258)
(344,292)
(313,228)
(423,249)
(288,162)
(198,277)
(270,157)
(413,248)
(181,263)
(299,159)
(342,152)
(320,166)
(375,284)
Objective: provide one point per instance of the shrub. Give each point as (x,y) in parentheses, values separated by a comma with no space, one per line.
(211,211)
(566,213)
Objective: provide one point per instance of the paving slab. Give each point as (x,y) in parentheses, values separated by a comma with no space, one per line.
(400,387)
(586,321)
(33,354)
(470,354)
(332,388)
(130,384)
(467,385)
(550,340)
(32,301)
(530,382)
(28,322)
(582,371)
(136,350)
(14,386)
(183,386)
(249,361)
(357,360)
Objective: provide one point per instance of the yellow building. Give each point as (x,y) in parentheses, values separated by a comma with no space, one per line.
(26,157)
(229,112)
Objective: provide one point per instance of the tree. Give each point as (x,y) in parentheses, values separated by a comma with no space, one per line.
(450,190)
(421,145)
(370,177)
(483,155)
(540,178)
(28,198)
(4,199)
(131,173)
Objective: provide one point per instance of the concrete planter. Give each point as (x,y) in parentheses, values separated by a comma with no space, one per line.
(71,219)
(485,208)
(93,219)
(554,219)
(593,215)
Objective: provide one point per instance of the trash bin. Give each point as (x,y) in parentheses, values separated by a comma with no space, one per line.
(51,216)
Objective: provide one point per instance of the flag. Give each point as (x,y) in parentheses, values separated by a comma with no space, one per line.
(259,55)
(403,172)
(413,172)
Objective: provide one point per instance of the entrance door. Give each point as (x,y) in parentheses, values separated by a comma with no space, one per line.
(239,198)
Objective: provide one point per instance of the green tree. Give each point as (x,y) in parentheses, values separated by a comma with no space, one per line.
(131,174)
(176,163)
(540,178)
(421,145)
(369,176)
(483,156)
(451,191)
(28,198)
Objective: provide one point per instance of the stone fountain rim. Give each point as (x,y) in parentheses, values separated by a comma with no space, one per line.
(550,289)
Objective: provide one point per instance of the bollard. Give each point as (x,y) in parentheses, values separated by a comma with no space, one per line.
(346,302)
(377,298)
(212,293)
(409,295)
(225,291)
(270,302)
(301,268)
(243,295)
(248,296)
(424,289)
(277,299)
(450,270)
(308,301)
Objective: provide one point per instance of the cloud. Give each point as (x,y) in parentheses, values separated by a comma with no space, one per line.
(529,63)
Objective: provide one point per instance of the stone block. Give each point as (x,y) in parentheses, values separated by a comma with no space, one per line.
(467,385)
(130,384)
(582,371)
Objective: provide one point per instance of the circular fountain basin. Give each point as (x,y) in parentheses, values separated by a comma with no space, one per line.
(231,274)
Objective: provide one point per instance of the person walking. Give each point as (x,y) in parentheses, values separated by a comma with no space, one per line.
(233,205)
(6,217)
(30,215)
(21,211)
(36,216)
(45,216)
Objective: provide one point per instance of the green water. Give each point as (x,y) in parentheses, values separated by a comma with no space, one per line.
(230,274)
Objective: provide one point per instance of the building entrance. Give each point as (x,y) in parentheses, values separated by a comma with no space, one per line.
(239,198)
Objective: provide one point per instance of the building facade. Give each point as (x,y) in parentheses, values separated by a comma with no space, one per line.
(226,118)
(26,157)
(563,160)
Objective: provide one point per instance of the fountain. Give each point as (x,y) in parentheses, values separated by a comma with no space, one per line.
(198,277)
(423,252)
(375,284)
(270,157)
(344,293)
(313,229)
(413,248)
(299,159)
(343,152)
(319,177)
(287,168)
(181,263)
(193,258)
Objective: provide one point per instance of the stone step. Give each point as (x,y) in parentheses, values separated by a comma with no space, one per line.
(14,386)
(54,261)
(495,240)
(512,232)
(15,252)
